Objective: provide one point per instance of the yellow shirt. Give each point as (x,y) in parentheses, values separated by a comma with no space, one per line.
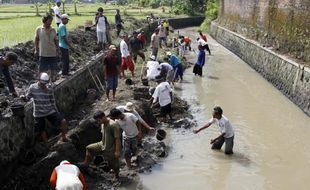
(166,24)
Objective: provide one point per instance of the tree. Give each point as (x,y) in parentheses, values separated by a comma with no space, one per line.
(75,2)
(63,6)
(36,5)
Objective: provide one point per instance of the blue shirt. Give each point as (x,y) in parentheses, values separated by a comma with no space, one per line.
(62,33)
(174,61)
(201,58)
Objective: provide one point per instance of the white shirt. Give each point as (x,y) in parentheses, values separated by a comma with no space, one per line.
(162,92)
(128,124)
(101,26)
(202,42)
(152,69)
(68,177)
(57,12)
(162,31)
(154,41)
(122,109)
(124,49)
(166,66)
(224,126)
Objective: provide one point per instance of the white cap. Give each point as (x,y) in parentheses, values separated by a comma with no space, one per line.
(153,57)
(64,162)
(169,53)
(44,77)
(129,107)
(65,16)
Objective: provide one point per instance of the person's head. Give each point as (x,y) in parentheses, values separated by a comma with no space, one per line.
(168,54)
(125,36)
(112,49)
(100,10)
(9,58)
(47,20)
(153,57)
(117,11)
(58,3)
(156,31)
(65,19)
(135,34)
(129,107)
(100,117)
(43,79)
(217,112)
(116,114)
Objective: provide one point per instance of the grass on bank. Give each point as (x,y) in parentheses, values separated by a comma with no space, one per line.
(17,30)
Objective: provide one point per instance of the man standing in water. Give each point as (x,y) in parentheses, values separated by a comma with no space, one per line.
(226,131)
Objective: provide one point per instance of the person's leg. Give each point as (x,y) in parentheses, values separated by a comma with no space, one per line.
(131,66)
(65,61)
(127,152)
(58,120)
(141,54)
(200,71)
(169,110)
(91,150)
(115,83)
(109,86)
(123,66)
(39,124)
(217,145)
(135,56)
(229,144)
(43,64)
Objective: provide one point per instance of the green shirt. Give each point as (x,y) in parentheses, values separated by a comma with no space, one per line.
(109,133)
(62,32)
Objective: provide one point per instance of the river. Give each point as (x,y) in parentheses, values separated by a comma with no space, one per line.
(271,133)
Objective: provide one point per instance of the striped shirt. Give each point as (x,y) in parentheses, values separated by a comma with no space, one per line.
(43,100)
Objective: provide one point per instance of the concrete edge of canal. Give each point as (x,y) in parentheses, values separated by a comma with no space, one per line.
(291,78)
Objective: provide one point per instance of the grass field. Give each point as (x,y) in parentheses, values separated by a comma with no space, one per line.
(18,22)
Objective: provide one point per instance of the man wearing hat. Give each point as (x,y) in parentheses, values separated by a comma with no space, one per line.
(130,108)
(57,12)
(136,47)
(67,176)
(111,71)
(44,108)
(64,44)
(5,62)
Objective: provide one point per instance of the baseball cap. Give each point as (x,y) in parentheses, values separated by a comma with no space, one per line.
(44,77)
(112,47)
(129,107)
(63,16)
(152,57)
(169,53)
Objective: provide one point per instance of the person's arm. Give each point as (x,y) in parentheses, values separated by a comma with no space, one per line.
(9,81)
(117,141)
(105,71)
(36,42)
(220,136)
(55,40)
(53,179)
(106,23)
(82,179)
(202,128)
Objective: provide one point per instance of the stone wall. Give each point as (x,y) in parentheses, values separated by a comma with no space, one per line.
(291,78)
(14,135)
(282,24)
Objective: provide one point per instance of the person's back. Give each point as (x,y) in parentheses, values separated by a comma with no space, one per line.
(224,126)
(135,44)
(166,67)
(110,61)
(152,70)
(162,92)
(68,177)
(128,124)
(174,60)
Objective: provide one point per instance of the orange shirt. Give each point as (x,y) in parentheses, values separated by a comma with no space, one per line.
(187,40)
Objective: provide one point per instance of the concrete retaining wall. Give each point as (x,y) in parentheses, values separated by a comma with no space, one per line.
(291,78)
(14,135)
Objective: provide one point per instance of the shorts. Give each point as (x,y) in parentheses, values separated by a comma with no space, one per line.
(101,37)
(136,53)
(97,149)
(130,147)
(165,110)
(47,63)
(54,118)
(127,63)
(112,82)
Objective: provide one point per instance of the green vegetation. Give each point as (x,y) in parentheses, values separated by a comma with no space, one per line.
(189,7)
(18,22)
(211,13)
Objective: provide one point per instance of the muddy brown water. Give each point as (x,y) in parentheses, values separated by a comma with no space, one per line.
(271,133)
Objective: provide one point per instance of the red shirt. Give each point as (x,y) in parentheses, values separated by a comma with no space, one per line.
(187,40)
(111,63)
(204,37)
(141,37)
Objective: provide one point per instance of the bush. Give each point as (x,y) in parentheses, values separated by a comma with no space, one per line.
(211,13)
(154,3)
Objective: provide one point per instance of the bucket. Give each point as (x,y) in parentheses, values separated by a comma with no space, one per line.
(145,81)
(18,110)
(161,134)
(128,82)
